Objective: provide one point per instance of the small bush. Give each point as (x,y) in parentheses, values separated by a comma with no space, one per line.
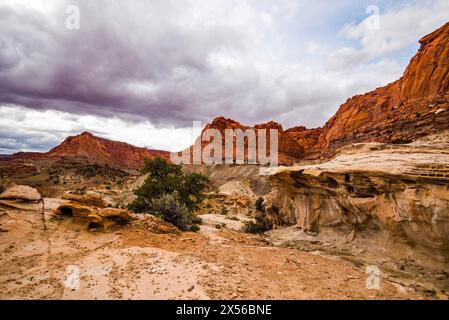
(108,187)
(259,204)
(194,228)
(166,178)
(197,220)
(260,225)
(170,209)
(169,193)
(224,211)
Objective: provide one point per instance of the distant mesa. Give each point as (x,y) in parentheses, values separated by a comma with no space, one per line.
(97,150)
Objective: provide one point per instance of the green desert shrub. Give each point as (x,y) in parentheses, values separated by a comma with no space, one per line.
(169,208)
(167,184)
(260,225)
(194,228)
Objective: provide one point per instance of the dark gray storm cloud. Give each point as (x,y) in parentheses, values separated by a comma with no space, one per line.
(138,58)
(171,62)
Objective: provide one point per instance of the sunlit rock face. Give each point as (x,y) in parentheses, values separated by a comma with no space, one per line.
(412,107)
(104,151)
(401,190)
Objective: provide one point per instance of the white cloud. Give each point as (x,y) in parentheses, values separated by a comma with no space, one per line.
(398,29)
(32,130)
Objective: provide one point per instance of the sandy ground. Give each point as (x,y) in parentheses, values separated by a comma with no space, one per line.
(68,262)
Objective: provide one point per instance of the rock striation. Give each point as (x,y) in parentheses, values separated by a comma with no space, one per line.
(402,190)
(19,192)
(94,218)
(412,107)
(95,150)
(288,148)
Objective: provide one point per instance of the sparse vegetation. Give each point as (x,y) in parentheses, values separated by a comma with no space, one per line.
(260,225)
(259,204)
(169,193)
(197,220)
(194,228)
(169,208)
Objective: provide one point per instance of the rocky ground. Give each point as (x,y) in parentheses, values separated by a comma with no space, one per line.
(55,256)
(136,262)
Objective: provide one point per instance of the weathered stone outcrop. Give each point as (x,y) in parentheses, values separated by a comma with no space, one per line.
(103,218)
(94,149)
(20,197)
(288,148)
(88,199)
(412,107)
(18,192)
(401,190)
(307,138)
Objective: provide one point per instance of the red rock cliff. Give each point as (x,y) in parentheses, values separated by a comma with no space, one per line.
(414,106)
(288,148)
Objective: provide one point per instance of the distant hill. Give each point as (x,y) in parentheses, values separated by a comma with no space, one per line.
(97,150)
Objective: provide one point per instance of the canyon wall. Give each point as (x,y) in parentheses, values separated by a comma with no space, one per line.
(400,190)
(410,108)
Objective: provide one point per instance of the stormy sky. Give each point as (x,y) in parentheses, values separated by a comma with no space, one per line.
(142,71)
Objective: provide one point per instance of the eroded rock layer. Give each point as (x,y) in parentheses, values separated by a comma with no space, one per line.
(288,148)
(412,107)
(401,190)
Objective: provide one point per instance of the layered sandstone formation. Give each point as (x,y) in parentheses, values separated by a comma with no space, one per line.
(412,107)
(20,197)
(307,138)
(401,190)
(95,150)
(93,217)
(288,148)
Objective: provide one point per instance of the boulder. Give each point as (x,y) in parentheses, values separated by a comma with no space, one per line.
(95,218)
(24,193)
(86,199)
